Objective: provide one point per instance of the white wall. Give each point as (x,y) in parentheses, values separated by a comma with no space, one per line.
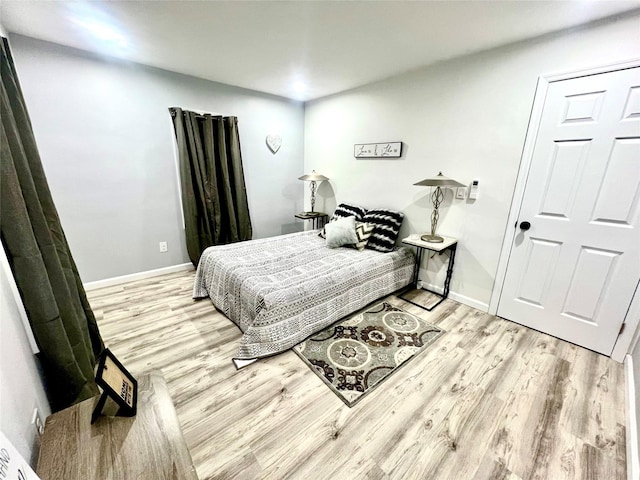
(107,145)
(467,117)
(21,387)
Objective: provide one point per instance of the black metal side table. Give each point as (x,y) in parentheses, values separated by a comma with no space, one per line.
(318,219)
(449,244)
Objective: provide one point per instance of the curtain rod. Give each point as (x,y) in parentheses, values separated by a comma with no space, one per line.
(172,110)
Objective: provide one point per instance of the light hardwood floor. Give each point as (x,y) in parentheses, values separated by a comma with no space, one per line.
(490,399)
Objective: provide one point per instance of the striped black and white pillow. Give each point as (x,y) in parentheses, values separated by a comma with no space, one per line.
(345,210)
(387,227)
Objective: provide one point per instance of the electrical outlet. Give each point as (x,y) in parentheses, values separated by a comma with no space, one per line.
(461,192)
(36,421)
(163,247)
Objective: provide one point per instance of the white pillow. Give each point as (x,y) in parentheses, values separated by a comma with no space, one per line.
(341,232)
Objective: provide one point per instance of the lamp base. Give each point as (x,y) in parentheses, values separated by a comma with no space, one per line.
(432,238)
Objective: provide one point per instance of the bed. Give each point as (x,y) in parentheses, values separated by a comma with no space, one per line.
(281,290)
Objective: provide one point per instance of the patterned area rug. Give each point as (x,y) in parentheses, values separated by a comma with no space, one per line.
(355,355)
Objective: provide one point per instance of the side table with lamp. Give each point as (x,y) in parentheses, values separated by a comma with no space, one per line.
(318,219)
(433,242)
(447,244)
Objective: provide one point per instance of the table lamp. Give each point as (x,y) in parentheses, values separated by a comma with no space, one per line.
(313,177)
(437,196)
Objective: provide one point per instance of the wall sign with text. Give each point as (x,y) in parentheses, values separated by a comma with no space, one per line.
(12,465)
(378,150)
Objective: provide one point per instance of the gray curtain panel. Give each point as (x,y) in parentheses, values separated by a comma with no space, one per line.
(63,324)
(214,196)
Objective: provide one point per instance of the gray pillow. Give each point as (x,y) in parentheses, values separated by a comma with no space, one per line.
(341,232)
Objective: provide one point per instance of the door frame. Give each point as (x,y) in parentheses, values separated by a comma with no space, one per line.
(540,96)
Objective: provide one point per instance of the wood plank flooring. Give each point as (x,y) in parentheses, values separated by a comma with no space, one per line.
(489,400)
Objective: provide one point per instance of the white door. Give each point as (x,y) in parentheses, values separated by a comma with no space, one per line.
(573,273)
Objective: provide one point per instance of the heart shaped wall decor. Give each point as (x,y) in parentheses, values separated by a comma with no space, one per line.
(274,142)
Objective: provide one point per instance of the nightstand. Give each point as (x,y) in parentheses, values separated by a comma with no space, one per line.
(318,219)
(450,244)
(148,446)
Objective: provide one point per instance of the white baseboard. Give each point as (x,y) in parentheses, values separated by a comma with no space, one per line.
(471,302)
(108,282)
(633,455)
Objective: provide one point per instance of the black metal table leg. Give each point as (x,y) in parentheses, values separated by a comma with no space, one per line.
(447,280)
(416,273)
(416,268)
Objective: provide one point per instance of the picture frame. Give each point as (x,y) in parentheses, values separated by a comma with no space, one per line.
(378,150)
(117,384)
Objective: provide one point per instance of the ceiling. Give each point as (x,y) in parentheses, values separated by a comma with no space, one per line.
(297,49)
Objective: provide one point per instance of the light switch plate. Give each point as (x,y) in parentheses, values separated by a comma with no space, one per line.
(461,192)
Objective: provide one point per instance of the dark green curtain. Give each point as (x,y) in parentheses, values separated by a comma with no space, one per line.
(63,324)
(214,196)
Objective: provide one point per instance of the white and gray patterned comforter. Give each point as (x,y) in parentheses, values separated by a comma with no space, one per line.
(280,290)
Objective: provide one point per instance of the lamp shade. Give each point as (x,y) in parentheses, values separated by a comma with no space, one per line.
(313,177)
(439,181)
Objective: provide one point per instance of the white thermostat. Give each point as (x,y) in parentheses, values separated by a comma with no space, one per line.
(473,191)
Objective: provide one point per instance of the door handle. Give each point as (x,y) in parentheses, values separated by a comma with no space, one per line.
(525,226)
